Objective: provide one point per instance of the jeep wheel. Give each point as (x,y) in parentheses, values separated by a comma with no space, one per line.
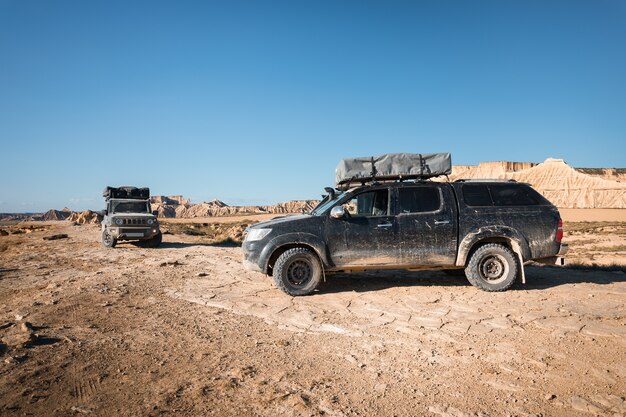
(108,241)
(155,241)
(492,267)
(297,271)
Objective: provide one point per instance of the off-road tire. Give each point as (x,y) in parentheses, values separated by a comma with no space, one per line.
(297,271)
(492,267)
(155,241)
(107,240)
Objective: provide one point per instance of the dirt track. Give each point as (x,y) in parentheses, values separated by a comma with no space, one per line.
(185,330)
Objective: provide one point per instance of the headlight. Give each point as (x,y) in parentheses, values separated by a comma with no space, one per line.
(150,221)
(119,222)
(257,234)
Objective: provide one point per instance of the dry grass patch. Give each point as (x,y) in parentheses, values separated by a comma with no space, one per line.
(223,234)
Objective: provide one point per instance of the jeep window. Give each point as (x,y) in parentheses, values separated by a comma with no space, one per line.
(511,195)
(418,199)
(476,195)
(368,204)
(130,207)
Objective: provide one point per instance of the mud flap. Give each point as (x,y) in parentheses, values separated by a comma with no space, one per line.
(521,265)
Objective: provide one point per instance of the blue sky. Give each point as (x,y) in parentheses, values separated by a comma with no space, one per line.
(256,102)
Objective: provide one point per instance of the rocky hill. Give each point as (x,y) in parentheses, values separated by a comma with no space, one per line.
(53,214)
(20,217)
(183,208)
(562,184)
(85,217)
(565,186)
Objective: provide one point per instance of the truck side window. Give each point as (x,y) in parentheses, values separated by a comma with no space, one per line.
(476,195)
(418,199)
(511,195)
(368,204)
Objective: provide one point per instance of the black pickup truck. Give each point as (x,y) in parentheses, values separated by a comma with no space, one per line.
(488,228)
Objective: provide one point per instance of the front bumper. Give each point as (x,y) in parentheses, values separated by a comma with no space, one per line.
(128,233)
(252,256)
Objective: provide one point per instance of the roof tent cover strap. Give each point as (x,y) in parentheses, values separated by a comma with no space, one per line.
(394,166)
(126,192)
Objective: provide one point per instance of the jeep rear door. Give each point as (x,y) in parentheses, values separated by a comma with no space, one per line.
(427,224)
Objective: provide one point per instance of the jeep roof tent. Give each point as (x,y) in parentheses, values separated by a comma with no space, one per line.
(126,192)
(389,167)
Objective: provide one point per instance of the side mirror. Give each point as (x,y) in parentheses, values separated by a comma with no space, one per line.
(155,213)
(337,212)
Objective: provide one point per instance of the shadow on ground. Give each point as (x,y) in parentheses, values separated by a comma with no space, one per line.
(381,280)
(537,278)
(543,277)
(227,243)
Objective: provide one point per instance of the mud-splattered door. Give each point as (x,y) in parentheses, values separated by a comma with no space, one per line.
(427,224)
(367,235)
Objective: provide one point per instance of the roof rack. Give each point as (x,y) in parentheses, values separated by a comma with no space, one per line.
(391,168)
(359,182)
(485,180)
(126,192)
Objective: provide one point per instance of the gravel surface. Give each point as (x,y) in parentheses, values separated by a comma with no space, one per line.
(185,330)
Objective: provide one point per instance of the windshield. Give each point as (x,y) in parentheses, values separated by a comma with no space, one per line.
(129,207)
(326,204)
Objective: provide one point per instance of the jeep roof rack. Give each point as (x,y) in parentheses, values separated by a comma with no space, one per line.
(127,192)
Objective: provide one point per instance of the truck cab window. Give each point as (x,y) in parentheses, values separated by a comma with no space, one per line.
(368,204)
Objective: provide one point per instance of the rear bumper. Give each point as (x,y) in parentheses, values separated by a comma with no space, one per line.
(558,259)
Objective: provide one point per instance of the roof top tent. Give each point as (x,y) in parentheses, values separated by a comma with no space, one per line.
(126,192)
(391,167)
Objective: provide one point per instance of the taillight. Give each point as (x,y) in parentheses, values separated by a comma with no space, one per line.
(559,231)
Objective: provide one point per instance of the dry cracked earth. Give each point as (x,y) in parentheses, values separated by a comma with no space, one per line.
(185,330)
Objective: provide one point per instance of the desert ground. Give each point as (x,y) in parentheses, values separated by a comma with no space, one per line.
(185,330)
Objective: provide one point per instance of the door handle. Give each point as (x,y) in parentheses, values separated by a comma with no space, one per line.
(384,225)
(442,221)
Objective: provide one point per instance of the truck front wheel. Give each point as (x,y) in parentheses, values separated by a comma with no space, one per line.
(297,271)
(492,267)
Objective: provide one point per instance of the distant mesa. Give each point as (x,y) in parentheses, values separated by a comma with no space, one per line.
(560,183)
(177,207)
(563,185)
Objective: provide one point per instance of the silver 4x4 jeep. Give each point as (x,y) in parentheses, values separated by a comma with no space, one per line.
(128,217)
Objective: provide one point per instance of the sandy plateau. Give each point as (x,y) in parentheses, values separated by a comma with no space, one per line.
(185,330)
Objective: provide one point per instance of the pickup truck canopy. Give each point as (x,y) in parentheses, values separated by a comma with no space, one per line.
(396,166)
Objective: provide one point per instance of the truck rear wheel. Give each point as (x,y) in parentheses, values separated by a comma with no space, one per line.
(108,241)
(297,271)
(492,267)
